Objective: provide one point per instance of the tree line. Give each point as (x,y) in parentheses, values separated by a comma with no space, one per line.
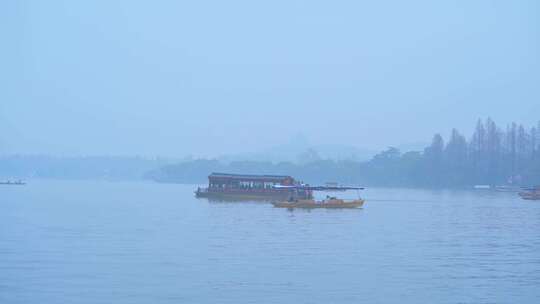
(491,156)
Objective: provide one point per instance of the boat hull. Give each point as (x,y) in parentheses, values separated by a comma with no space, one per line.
(312,204)
(248,195)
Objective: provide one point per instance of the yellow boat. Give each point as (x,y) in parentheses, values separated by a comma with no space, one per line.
(327,203)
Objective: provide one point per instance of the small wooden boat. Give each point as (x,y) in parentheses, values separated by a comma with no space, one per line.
(327,203)
(530,196)
(13,183)
(530,193)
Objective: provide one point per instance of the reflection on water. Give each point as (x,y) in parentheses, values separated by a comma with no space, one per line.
(105,242)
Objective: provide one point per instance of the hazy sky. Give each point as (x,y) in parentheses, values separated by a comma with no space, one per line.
(211,77)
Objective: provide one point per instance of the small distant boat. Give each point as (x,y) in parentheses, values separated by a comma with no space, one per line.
(530,193)
(13,183)
(333,187)
(327,203)
(482,187)
(508,188)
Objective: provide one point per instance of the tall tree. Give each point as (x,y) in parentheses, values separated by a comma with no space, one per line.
(455,155)
(492,152)
(434,160)
(512,147)
(534,141)
(477,152)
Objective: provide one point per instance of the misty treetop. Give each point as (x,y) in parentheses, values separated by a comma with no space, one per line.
(492,156)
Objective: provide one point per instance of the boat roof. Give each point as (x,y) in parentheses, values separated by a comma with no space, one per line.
(249,176)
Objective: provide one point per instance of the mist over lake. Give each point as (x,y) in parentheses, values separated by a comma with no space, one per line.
(269,152)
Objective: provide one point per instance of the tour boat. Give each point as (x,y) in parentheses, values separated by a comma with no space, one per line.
(226,186)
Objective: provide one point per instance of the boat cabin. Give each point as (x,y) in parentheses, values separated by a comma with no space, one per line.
(250,186)
(242,181)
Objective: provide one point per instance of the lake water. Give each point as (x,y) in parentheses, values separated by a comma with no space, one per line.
(136,242)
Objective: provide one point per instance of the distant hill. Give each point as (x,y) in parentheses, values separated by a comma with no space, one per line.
(298,148)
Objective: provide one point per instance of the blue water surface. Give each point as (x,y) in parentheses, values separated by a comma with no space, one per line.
(141,242)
